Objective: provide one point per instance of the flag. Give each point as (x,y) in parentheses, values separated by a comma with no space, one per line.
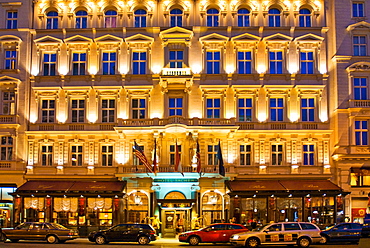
(155,165)
(221,168)
(178,167)
(141,156)
(199,163)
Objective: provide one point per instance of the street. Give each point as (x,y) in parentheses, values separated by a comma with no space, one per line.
(161,243)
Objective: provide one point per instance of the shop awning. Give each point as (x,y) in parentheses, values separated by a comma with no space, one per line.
(46,186)
(98,186)
(268,185)
(308,185)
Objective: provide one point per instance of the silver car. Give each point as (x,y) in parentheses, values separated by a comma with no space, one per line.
(302,234)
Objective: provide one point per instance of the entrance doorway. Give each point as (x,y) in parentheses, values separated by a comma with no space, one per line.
(175,221)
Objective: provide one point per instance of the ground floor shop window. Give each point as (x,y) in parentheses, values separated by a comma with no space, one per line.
(253,210)
(138,208)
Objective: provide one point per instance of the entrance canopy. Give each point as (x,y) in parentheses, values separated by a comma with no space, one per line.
(283,187)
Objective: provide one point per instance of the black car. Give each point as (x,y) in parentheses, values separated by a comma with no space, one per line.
(141,233)
(343,232)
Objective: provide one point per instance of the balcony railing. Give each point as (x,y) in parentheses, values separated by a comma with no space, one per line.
(359,103)
(8,119)
(176,72)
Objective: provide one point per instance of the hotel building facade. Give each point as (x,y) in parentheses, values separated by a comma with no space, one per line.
(81,81)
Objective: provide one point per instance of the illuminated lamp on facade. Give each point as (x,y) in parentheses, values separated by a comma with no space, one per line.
(156,69)
(196,69)
(137,200)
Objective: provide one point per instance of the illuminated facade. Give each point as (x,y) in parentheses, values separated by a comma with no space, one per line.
(99,75)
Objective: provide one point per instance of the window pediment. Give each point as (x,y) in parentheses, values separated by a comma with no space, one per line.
(214,41)
(245,41)
(308,41)
(139,41)
(359,67)
(359,26)
(48,43)
(277,41)
(78,42)
(9,80)
(176,35)
(108,42)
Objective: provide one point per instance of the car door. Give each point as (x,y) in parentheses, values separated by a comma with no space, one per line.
(341,232)
(273,234)
(37,231)
(213,233)
(291,232)
(117,233)
(20,232)
(355,231)
(230,230)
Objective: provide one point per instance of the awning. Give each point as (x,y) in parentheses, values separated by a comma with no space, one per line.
(46,186)
(268,185)
(308,185)
(98,186)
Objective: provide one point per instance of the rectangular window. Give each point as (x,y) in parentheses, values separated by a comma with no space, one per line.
(277,154)
(139,62)
(138,108)
(79,63)
(277,109)
(358,9)
(361,133)
(175,106)
(360,88)
(245,154)
(109,63)
(10,59)
(8,103)
(173,153)
(78,110)
(48,111)
(245,62)
(108,110)
(276,62)
(359,45)
(212,154)
(213,62)
(176,59)
(245,109)
(107,155)
(76,153)
(136,160)
(50,60)
(6,148)
(47,155)
(308,109)
(308,154)
(213,108)
(12,20)
(307,63)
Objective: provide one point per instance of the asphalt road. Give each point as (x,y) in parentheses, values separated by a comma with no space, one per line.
(161,243)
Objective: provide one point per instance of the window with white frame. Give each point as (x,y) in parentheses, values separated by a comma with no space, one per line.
(77,155)
(49,64)
(12,19)
(79,63)
(245,109)
(176,18)
(309,154)
(10,59)
(307,63)
(6,147)
(277,109)
(81,19)
(358,9)
(138,108)
(108,108)
(176,58)
(173,153)
(243,17)
(107,155)
(110,19)
(213,62)
(52,20)
(139,61)
(140,16)
(48,111)
(212,154)
(305,18)
(46,155)
(245,153)
(8,103)
(276,62)
(361,132)
(175,105)
(274,18)
(78,110)
(109,63)
(212,17)
(276,154)
(213,108)
(308,109)
(244,62)
(360,88)
(359,45)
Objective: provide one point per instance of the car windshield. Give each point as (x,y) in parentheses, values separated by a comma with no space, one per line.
(260,228)
(59,226)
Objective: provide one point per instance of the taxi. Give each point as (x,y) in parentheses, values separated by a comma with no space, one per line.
(302,234)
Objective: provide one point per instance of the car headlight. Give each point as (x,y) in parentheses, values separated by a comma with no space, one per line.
(235,236)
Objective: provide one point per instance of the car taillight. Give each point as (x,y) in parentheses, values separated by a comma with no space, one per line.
(152,233)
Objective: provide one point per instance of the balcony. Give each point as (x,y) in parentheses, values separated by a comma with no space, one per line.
(176,72)
(11,166)
(72,127)
(8,119)
(359,103)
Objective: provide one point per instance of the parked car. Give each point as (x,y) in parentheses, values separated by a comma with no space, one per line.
(343,232)
(302,234)
(51,232)
(216,233)
(141,233)
(366,226)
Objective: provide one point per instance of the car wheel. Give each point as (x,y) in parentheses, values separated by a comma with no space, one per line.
(194,240)
(304,242)
(100,240)
(252,243)
(14,240)
(324,240)
(143,240)
(52,239)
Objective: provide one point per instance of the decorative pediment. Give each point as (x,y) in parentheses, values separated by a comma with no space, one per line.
(108,39)
(78,39)
(139,41)
(214,41)
(9,80)
(308,41)
(245,41)
(176,35)
(359,67)
(359,25)
(10,39)
(48,43)
(277,41)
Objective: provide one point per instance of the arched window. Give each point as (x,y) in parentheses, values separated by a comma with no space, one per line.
(176,18)
(243,18)
(212,18)
(304,18)
(52,20)
(274,18)
(110,18)
(81,19)
(140,18)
